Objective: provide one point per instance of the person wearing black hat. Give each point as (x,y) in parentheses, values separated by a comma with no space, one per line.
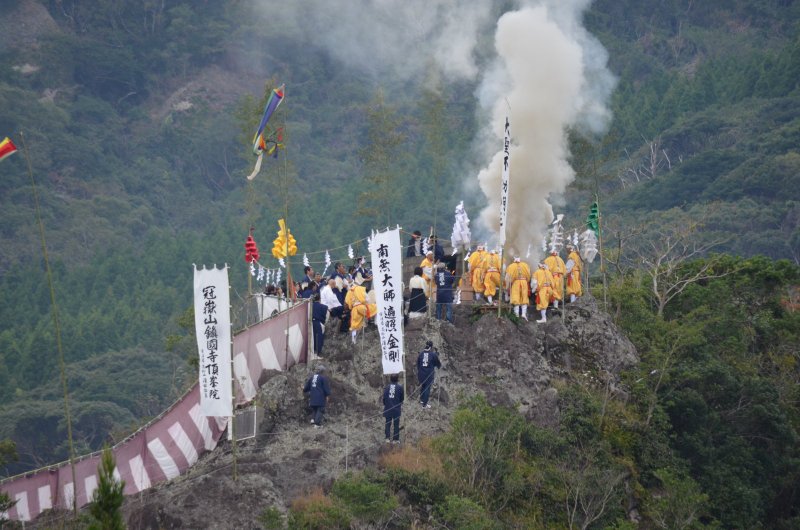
(318,388)
(427,363)
(393,397)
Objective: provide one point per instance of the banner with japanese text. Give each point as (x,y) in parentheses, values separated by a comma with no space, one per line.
(387,277)
(212,319)
(504,189)
(173,441)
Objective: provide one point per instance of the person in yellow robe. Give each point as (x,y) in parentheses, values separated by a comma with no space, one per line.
(427,272)
(491,276)
(427,267)
(558,269)
(574,267)
(476,272)
(543,285)
(360,309)
(518,277)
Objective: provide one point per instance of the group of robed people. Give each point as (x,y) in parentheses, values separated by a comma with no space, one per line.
(546,283)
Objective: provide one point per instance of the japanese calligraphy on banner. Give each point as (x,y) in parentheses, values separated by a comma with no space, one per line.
(504,190)
(212,321)
(387,278)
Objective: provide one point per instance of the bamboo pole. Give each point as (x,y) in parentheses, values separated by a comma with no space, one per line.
(500,295)
(564,297)
(600,244)
(250,276)
(59,347)
(289,281)
(233,381)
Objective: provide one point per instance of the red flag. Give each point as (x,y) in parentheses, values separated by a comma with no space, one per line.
(7,148)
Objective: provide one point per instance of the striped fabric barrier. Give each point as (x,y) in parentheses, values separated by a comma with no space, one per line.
(173,442)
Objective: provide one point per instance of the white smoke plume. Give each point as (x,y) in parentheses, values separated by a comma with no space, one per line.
(549,75)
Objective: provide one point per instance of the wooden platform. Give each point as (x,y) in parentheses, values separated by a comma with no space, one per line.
(483,307)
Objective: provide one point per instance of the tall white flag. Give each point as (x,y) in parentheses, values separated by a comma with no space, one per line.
(212,321)
(388,275)
(504,189)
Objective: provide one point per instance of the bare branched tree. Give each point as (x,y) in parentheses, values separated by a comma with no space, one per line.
(647,166)
(590,487)
(666,253)
(655,160)
(616,246)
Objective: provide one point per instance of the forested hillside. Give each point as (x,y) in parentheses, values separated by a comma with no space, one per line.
(706,117)
(138,116)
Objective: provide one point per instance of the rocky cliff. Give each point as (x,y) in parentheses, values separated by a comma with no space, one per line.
(517,364)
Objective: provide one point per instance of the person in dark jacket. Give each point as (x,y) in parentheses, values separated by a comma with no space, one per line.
(319,312)
(318,388)
(393,398)
(341,281)
(444,292)
(414,248)
(438,251)
(427,363)
(307,284)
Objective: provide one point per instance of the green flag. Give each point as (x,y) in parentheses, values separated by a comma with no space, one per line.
(593,220)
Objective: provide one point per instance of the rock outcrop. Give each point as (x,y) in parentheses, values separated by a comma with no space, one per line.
(514,364)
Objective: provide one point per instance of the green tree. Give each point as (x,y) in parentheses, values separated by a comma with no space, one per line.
(8,453)
(481,450)
(107,499)
(463,513)
(680,503)
(364,499)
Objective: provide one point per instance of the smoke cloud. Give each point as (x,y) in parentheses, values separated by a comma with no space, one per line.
(387,37)
(549,75)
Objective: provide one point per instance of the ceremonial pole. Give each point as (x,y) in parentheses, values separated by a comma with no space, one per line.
(233,380)
(500,297)
(504,204)
(59,346)
(250,276)
(564,296)
(402,326)
(289,282)
(600,245)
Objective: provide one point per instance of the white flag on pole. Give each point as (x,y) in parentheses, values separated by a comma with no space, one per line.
(212,320)
(504,188)
(461,235)
(388,275)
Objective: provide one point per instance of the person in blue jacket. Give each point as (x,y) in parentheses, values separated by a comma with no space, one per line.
(319,312)
(393,398)
(427,363)
(318,388)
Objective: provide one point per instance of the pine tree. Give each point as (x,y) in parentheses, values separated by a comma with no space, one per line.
(107,498)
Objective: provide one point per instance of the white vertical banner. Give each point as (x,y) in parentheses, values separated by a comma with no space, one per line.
(504,188)
(212,321)
(387,278)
